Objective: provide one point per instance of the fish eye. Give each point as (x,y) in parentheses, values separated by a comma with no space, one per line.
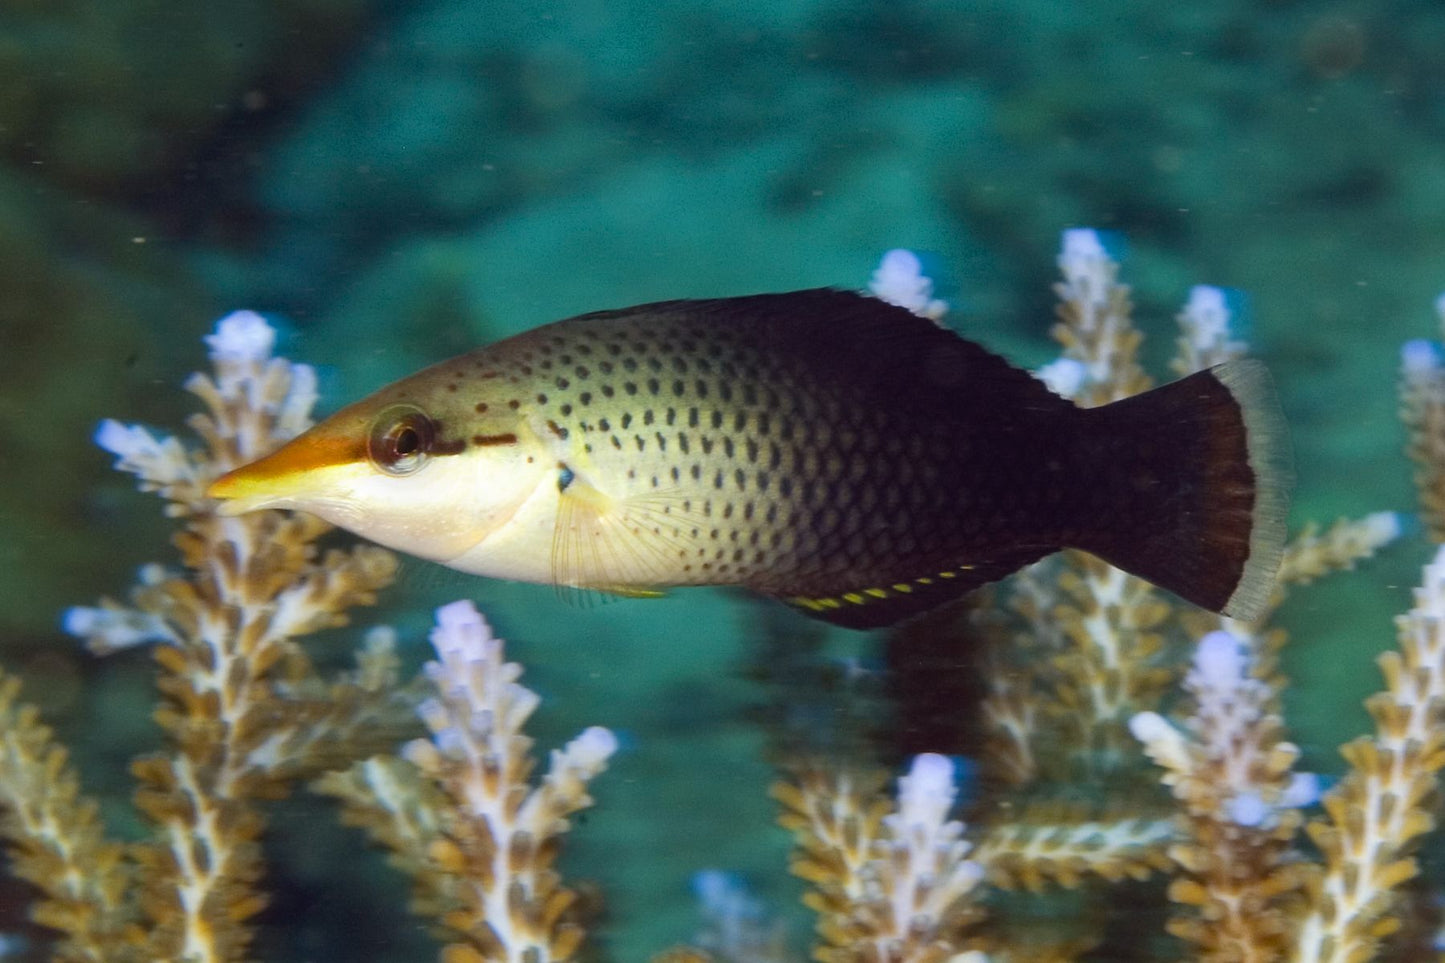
(400,439)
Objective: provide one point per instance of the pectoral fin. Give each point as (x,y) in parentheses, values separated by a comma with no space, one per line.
(627,546)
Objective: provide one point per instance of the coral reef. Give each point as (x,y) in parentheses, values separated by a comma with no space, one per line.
(1080,664)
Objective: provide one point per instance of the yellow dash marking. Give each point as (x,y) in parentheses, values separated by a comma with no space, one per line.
(948,575)
(853,597)
(925,581)
(877,593)
(902,587)
(831,603)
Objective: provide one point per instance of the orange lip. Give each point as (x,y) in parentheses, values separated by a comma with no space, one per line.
(279,474)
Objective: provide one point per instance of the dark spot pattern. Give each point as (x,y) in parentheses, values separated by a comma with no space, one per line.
(809,490)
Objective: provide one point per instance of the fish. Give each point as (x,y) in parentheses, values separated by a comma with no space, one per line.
(819,447)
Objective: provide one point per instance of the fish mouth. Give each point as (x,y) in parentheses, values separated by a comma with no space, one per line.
(247,489)
(282,478)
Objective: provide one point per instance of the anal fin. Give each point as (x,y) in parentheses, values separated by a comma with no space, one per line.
(890,602)
(628,591)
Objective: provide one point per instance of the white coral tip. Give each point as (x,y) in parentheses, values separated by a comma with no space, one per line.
(1383,527)
(1220,661)
(241,337)
(1420,357)
(126,441)
(294,415)
(592,748)
(1164,743)
(1249,809)
(1064,377)
(460,630)
(1304,789)
(1207,300)
(109,629)
(1082,245)
(80,620)
(900,281)
(926,794)
(1207,316)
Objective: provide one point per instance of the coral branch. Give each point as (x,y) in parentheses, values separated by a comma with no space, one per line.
(1312,554)
(1204,334)
(1095,327)
(476,837)
(1422,408)
(56,840)
(243,708)
(1231,772)
(1108,667)
(1058,844)
(1378,812)
(900,280)
(888,886)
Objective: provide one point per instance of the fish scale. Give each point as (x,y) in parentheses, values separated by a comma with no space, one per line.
(821,447)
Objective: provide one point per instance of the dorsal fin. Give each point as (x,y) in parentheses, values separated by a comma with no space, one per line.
(888,351)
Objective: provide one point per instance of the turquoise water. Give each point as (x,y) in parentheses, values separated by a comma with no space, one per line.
(396,182)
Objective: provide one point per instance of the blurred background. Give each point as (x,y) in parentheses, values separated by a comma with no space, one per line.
(393,183)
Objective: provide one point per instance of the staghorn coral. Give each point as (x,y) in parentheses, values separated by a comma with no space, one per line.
(1422,407)
(1375,817)
(244,711)
(56,839)
(1258,895)
(1232,775)
(1086,659)
(1060,844)
(457,811)
(890,884)
(247,716)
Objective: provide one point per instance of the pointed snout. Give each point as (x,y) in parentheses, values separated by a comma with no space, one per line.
(286,474)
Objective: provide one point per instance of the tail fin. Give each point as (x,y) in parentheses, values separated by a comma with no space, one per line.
(1206,471)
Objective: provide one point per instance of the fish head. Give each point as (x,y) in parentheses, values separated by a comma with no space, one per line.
(430,465)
